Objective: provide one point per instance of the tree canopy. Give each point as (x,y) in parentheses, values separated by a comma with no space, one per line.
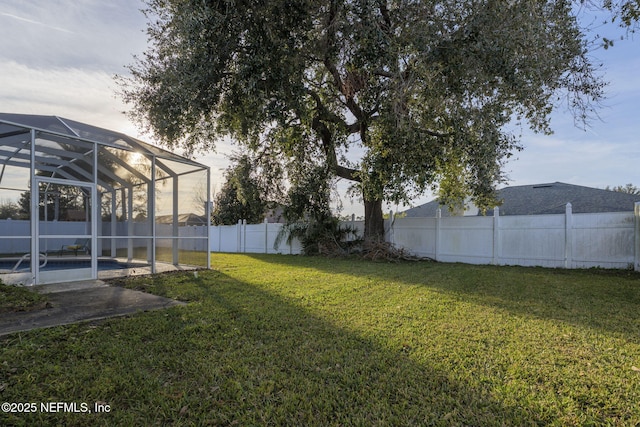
(397,96)
(241,196)
(628,189)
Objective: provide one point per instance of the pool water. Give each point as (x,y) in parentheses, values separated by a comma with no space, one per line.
(69,264)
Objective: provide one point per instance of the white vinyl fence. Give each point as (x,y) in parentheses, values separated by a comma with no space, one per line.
(16,235)
(258,238)
(606,240)
(251,238)
(17,238)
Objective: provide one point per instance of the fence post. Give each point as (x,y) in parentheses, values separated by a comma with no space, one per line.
(496,236)
(437,245)
(636,215)
(239,236)
(266,236)
(244,235)
(290,246)
(568,237)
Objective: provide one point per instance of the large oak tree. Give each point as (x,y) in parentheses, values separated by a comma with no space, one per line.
(393,95)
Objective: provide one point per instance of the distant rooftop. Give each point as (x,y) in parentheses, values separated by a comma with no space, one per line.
(549,198)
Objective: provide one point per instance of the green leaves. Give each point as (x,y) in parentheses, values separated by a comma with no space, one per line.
(242,197)
(401,82)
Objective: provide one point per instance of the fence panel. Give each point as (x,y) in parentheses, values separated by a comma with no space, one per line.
(603,240)
(272,234)
(466,239)
(251,238)
(18,236)
(417,235)
(254,238)
(607,240)
(532,240)
(193,238)
(224,238)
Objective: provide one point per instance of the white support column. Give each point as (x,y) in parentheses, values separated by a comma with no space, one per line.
(496,236)
(96,218)
(149,233)
(151,201)
(130,224)
(239,236)
(437,245)
(96,225)
(175,229)
(114,223)
(568,237)
(35,213)
(207,211)
(636,214)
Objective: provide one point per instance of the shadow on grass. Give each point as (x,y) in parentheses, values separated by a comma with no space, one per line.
(237,355)
(604,300)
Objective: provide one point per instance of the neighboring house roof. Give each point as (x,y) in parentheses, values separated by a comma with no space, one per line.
(183,219)
(539,199)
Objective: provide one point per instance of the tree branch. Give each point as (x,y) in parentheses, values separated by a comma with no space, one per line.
(438,134)
(326,137)
(325,114)
(330,65)
(384,11)
(350,102)
(353,128)
(382,73)
(329,149)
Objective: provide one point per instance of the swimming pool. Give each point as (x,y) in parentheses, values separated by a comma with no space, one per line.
(6,265)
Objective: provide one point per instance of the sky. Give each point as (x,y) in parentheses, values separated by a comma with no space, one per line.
(58,57)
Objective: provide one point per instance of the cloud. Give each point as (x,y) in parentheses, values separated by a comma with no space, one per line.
(72,33)
(71,92)
(58,56)
(87,96)
(31,21)
(576,158)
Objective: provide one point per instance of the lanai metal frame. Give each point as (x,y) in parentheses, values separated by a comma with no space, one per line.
(121,176)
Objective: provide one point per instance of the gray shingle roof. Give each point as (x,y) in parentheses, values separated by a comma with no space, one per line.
(549,198)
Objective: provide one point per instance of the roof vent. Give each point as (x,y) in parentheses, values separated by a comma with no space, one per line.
(543,186)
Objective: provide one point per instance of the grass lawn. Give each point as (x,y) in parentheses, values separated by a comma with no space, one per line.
(288,340)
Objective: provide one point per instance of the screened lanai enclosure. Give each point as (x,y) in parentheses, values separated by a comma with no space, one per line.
(78,202)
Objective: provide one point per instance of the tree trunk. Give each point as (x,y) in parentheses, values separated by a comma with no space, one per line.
(373,221)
